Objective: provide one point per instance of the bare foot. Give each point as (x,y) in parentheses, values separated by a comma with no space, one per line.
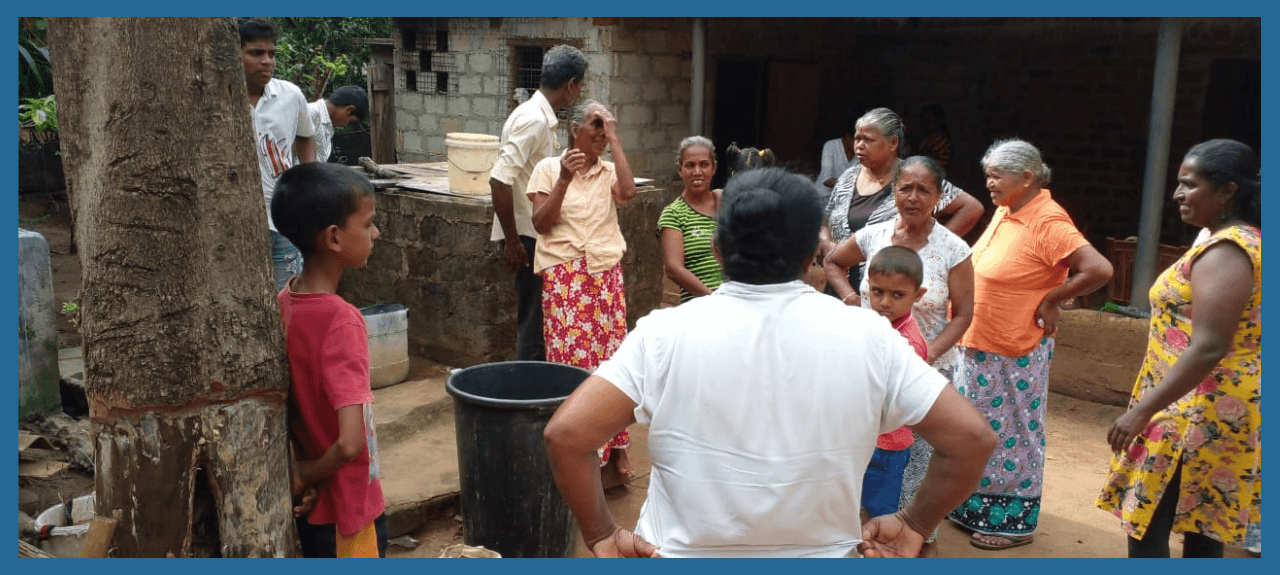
(623,461)
(609,476)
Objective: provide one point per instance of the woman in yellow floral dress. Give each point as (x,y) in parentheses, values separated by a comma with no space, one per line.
(1187,452)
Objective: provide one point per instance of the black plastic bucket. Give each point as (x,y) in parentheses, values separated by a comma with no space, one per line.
(510,503)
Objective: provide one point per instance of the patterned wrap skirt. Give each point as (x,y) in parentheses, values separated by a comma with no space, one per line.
(584,320)
(921,452)
(1011,392)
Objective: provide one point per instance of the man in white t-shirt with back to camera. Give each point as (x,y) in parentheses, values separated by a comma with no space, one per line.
(763,402)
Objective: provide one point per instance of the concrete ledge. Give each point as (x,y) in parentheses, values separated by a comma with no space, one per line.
(435,257)
(1097,356)
(406,518)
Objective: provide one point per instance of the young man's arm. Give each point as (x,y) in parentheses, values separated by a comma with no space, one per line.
(305,148)
(350,444)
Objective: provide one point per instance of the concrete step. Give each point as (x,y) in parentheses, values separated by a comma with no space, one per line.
(417,447)
(416,403)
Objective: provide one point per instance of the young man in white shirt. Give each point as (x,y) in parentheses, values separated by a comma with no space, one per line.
(282,130)
(528,137)
(345,105)
(763,402)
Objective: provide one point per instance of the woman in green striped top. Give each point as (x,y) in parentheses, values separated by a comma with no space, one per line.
(687,224)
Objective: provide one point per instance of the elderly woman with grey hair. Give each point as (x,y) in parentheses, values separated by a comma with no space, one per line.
(1030,259)
(580,248)
(863,195)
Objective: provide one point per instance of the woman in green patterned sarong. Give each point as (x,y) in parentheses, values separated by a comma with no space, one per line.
(1021,266)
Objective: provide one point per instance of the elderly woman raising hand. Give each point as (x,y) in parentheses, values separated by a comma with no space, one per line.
(580,248)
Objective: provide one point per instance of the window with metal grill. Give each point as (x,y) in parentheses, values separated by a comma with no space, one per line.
(425,63)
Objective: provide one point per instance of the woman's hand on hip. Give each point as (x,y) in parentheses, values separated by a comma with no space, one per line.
(1047,317)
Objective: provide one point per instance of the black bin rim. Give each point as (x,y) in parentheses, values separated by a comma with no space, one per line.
(481,400)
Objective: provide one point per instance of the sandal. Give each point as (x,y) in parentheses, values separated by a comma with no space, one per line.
(1012,542)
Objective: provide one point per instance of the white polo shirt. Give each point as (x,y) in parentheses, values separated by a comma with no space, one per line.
(279,117)
(763,404)
(527,137)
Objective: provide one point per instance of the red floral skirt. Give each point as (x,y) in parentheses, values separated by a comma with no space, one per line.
(584,320)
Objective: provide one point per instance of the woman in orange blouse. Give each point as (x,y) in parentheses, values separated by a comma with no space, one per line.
(1030,258)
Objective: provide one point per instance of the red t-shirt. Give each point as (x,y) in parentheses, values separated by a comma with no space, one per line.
(328,351)
(901,438)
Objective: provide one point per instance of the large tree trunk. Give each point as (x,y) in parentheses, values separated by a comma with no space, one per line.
(184,356)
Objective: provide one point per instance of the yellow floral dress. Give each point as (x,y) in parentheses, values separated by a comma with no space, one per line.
(1215,430)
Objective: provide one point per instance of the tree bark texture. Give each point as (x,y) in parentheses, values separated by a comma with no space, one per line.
(185,369)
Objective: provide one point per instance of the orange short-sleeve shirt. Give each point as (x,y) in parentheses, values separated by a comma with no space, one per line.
(1019,259)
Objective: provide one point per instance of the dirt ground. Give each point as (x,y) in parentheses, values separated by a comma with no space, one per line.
(1070,525)
(1077,458)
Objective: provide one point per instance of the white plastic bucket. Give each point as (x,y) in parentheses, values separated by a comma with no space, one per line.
(67,534)
(471,157)
(388,327)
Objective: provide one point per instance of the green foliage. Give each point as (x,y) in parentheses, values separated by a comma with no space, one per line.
(319,54)
(35,77)
(39,114)
(72,311)
(33,222)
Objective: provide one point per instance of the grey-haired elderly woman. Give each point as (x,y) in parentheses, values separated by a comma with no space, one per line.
(1030,259)
(580,248)
(863,195)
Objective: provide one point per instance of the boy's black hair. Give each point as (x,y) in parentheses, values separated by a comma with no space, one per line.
(313,196)
(899,260)
(352,96)
(256,29)
(767,227)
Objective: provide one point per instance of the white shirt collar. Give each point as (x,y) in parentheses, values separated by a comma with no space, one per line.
(545,106)
(796,286)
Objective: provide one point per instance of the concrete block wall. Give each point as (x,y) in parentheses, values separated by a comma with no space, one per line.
(434,256)
(481,53)
(639,67)
(649,91)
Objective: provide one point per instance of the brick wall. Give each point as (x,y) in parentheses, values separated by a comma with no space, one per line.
(1078,88)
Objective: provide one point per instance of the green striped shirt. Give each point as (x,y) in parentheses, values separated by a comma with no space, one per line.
(697,230)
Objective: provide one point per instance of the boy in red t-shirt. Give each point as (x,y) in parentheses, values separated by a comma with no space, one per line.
(894,276)
(326,210)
